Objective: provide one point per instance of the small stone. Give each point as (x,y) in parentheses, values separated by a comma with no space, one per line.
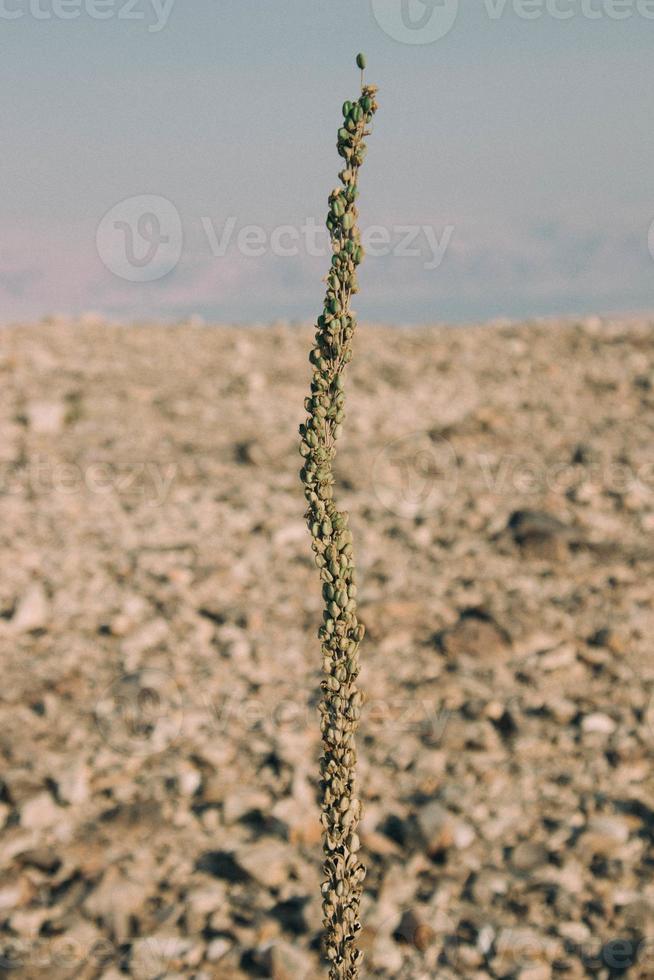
(576,932)
(562,656)
(436,827)
(154,956)
(464,835)
(218,948)
(598,722)
(476,635)
(528,855)
(73,784)
(539,534)
(386,955)
(43,858)
(189,779)
(147,637)
(40,812)
(239,802)
(609,638)
(201,903)
(415,931)
(46,418)
(267,861)
(286,962)
(118,902)
(32,610)
(540,971)
(14,893)
(604,835)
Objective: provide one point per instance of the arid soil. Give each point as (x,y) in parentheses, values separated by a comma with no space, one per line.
(160,666)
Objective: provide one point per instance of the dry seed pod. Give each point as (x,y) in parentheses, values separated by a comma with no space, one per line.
(340,632)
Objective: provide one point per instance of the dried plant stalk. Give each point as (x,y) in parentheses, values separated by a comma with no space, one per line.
(340,632)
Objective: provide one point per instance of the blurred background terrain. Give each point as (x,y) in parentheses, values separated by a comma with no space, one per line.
(160,666)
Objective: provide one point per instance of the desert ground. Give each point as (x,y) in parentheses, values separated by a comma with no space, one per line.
(160,664)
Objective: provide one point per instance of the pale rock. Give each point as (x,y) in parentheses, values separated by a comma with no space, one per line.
(528,855)
(464,835)
(598,723)
(540,971)
(40,812)
(575,932)
(116,901)
(28,922)
(14,893)
(436,826)
(286,962)
(46,418)
(218,948)
(267,861)
(73,784)
(604,835)
(387,955)
(201,903)
(239,801)
(156,955)
(189,779)
(32,610)
(150,635)
(562,656)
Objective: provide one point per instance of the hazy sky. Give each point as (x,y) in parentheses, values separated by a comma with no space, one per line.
(511,169)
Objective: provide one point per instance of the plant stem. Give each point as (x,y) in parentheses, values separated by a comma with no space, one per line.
(340,633)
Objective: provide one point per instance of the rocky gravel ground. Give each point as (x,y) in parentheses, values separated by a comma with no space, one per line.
(160,667)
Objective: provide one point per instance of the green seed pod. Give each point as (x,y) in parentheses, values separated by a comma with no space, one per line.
(347,106)
(348,220)
(366,103)
(361,61)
